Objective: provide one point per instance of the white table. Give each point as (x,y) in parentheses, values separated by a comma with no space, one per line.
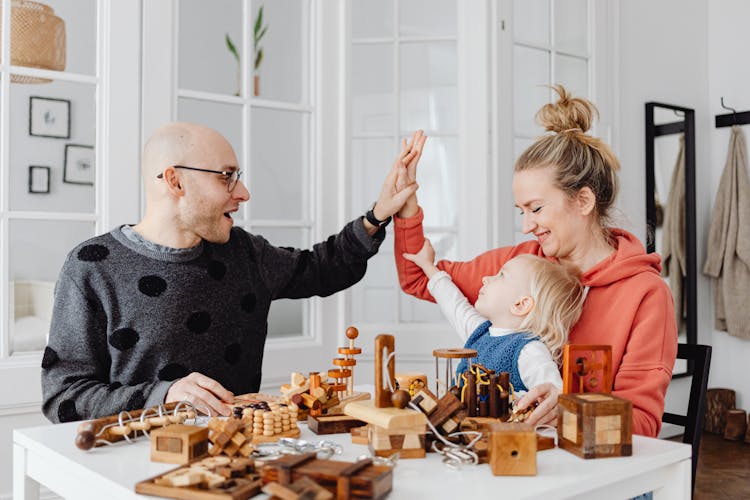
(47,455)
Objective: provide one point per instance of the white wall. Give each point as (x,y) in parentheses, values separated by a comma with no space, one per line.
(664,58)
(688,53)
(728,76)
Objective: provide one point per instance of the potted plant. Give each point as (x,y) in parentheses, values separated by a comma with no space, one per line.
(259,30)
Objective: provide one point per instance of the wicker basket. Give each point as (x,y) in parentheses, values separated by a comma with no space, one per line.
(37,39)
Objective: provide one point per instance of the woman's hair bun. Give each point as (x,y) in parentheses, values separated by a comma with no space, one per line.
(568,114)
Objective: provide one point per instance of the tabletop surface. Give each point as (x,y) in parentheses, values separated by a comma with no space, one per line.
(118,467)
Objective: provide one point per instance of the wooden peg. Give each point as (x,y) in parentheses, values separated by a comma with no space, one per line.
(382,390)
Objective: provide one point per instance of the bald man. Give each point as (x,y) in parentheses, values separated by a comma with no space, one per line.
(175,307)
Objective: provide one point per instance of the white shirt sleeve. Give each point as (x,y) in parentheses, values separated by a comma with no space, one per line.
(536,366)
(455,307)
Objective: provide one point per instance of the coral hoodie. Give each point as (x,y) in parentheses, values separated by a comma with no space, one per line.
(628,306)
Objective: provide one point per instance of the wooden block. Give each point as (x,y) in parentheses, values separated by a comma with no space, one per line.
(298,380)
(385,417)
(447,406)
(345,479)
(292,390)
(426,401)
(333,424)
(736,425)
(178,444)
(594,425)
(355,396)
(303,488)
(359,434)
(209,478)
(718,402)
(512,450)
(408,442)
(587,368)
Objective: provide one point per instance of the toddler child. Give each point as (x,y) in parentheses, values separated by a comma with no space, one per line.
(520,320)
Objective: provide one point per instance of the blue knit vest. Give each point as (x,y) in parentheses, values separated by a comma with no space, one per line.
(497,353)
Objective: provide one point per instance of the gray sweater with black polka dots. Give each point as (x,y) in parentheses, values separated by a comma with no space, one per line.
(130,318)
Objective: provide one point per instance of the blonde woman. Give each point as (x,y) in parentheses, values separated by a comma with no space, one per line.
(520,320)
(565,185)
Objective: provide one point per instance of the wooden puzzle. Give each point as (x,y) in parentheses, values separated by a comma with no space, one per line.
(303,488)
(592,423)
(450,375)
(345,480)
(178,444)
(326,394)
(587,368)
(129,425)
(220,478)
(595,425)
(333,424)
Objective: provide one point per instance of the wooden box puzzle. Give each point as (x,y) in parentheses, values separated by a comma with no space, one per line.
(178,444)
(594,425)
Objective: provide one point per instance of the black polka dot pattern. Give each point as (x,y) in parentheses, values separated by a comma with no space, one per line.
(199,322)
(173,371)
(153,286)
(114,385)
(50,357)
(136,401)
(233,353)
(67,412)
(123,339)
(217,270)
(93,253)
(248,302)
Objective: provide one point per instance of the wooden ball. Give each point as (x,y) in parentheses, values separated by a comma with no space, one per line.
(400,398)
(352,333)
(85,440)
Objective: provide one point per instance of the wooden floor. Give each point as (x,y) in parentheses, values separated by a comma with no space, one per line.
(723,469)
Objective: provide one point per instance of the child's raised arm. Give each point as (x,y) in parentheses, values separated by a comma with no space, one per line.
(425,258)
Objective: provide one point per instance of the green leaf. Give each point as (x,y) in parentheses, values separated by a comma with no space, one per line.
(232,48)
(259,36)
(258,58)
(258,21)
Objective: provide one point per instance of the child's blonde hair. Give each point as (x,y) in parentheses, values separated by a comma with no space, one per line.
(558,300)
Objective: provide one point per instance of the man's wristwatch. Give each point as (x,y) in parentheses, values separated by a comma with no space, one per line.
(370,216)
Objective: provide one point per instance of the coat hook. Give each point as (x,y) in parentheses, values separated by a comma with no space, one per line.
(734,111)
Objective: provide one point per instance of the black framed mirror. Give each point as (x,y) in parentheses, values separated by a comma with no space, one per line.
(670,211)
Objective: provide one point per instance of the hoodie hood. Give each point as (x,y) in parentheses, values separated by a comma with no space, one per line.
(629,259)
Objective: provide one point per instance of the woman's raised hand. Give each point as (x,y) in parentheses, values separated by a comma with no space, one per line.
(410,154)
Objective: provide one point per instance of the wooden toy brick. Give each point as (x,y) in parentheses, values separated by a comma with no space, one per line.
(178,444)
(426,401)
(333,424)
(594,425)
(512,450)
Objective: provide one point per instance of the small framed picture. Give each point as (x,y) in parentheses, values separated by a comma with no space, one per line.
(79,164)
(38,179)
(49,117)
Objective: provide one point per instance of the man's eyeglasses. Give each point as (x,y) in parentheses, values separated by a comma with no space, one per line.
(230,176)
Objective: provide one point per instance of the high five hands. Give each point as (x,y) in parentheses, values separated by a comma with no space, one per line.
(401,182)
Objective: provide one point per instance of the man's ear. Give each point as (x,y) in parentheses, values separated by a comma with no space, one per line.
(173,181)
(522,306)
(586,200)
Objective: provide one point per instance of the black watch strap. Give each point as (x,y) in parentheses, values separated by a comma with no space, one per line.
(370,216)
